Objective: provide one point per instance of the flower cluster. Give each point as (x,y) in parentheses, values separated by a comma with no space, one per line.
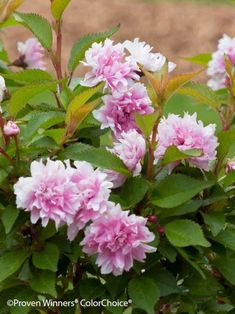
(187,133)
(76,195)
(120,71)
(216,67)
(31,54)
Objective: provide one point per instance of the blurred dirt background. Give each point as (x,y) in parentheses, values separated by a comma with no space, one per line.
(177,29)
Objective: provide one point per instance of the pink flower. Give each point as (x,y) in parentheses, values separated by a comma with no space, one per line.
(130,148)
(11,129)
(93,190)
(186,133)
(118,239)
(117,179)
(108,65)
(216,67)
(118,110)
(33,53)
(48,193)
(230,165)
(140,52)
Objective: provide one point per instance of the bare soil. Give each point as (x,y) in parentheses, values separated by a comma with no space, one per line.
(175,29)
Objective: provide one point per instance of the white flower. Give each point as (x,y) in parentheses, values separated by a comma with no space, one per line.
(140,52)
(2,88)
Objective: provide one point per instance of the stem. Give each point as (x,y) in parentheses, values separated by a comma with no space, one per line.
(150,168)
(59,105)
(17,149)
(6,155)
(58,66)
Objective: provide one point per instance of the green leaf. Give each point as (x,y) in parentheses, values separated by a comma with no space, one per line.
(91,288)
(173,154)
(43,281)
(10,262)
(79,49)
(58,7)
(9,217)
(144,293)
(229,179)
(29,76)
(226,139)
(38,25)
(99,157)
(187,208)
(227,238)
(178,81)
(20,98)
(42,120)
(184,232)
(177,189)
(201,59)
(47,258)
(226,266)
(201,93)
(132,192)
(3,176)
(215,221)
(146,122)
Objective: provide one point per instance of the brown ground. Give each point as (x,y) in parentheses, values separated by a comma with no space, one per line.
(175,29)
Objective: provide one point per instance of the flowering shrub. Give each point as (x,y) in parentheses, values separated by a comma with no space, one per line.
(118,185)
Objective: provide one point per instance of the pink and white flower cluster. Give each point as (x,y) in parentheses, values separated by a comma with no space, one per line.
(216,67)
(32,54)
(77,195)
(130,148)
(187,133)
(117,66)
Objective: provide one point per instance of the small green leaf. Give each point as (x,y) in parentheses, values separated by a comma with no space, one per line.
(99,157)
(91,288)
(47,258)
(144,293)
(215,221)
(43,281)
(9,217)
(10,262)
(79,49)
(173,154)
(226,139)
(38,25)
(146,122)
(185,232)
(20,98)
(201,59)
(29,76)
(58,7)
(177,189)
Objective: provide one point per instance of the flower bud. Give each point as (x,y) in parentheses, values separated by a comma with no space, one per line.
(11,129)
(2,89)
(230,166)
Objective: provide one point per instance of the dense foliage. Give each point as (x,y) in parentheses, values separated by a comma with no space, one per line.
(118,185)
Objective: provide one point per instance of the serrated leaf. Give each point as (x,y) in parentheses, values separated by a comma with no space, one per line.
(226,139)
(10,262)
(173,154)
(29,76)
(177,189)
(201,93)
(58,7)
(183,232)
(79,49)
(9,217)
(99,157)
(187,208)
(47,258)
(201,59)
(144,293)
(227,238)
(146,122)
(178,81)
(20,98)
(43,281)
(38,25)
